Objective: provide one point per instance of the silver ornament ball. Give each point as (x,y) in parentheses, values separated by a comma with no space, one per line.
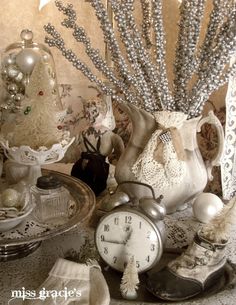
(11,98)
(26,60)
(9,59)
(18,97)
(10,198)
(4,73)
(12,88)
(12,71)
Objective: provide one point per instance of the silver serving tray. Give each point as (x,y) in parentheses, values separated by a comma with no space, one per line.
(31,231)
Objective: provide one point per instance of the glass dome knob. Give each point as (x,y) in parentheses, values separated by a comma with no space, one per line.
(26,35)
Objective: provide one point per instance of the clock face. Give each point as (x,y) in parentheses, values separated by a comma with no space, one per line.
(123,234)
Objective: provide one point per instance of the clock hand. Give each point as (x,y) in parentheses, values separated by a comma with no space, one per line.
(114,242)
(128,236)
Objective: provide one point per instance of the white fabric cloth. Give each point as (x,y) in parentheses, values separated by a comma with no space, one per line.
(70,283)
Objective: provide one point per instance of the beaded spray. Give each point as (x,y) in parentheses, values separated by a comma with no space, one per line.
(141,78)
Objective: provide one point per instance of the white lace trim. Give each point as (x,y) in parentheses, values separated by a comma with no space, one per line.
(228,164)
(162,176)
(169,119)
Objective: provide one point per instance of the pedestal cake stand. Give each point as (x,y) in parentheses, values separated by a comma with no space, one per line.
(27,236)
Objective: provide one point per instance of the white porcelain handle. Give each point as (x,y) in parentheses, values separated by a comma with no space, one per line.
(213,120)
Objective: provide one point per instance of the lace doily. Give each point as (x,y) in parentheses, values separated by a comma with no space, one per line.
(170,118)
(172,171)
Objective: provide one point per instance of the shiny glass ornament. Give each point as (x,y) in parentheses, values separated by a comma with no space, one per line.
(206,206)
(17,64)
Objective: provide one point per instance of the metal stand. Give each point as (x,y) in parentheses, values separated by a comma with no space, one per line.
(8,253)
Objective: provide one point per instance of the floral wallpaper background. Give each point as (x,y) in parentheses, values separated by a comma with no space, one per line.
(207,138)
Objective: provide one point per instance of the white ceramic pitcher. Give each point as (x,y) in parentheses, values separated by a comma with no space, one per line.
(196,173)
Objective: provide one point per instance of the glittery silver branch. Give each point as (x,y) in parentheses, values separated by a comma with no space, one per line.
(57,41)
(121,67)
(146,22)
(133,44)
(230,72)
(156,80)
(213,74)
(94,54)
(191,13)
(141,79)
(221,9)
(160,43)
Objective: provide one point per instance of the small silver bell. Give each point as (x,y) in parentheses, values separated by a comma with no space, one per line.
(152,207)
(114,200)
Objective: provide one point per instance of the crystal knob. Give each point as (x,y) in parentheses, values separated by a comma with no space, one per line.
(27,35)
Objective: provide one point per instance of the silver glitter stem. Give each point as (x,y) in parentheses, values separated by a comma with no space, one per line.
(141,79)
(191,13)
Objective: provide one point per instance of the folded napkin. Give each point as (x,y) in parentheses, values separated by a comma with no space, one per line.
(70,283)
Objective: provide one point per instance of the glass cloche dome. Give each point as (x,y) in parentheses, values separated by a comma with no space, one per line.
(18,61)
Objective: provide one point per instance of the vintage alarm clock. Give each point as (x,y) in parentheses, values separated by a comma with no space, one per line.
(133,227)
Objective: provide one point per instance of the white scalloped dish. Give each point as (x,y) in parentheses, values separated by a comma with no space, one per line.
(19,208)
(12,222)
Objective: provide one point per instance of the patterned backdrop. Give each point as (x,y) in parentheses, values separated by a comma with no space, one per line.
(207,138)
